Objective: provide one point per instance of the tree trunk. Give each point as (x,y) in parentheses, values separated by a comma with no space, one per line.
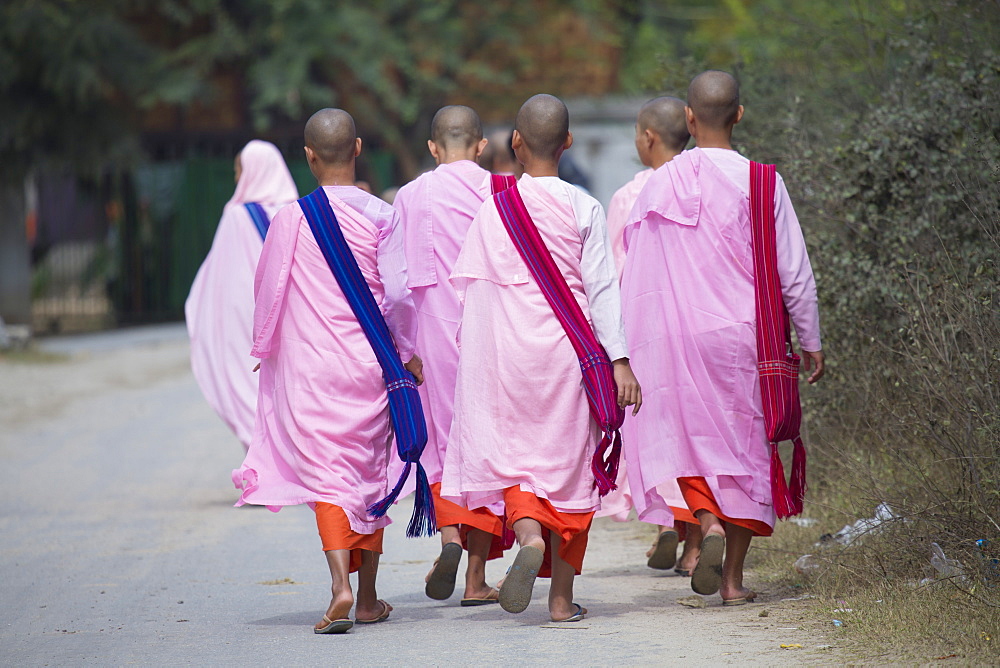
(15,258)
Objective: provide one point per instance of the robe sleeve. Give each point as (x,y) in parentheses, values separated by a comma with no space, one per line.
(618,210)
(798,286)
(600,278)
(397,304)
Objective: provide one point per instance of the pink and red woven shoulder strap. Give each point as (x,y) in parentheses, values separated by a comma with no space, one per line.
(777,364)
(598,375)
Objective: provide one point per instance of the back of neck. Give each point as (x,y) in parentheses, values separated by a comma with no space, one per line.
(335,175)
(536,168)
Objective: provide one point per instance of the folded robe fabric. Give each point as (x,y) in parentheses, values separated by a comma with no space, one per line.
(404,401)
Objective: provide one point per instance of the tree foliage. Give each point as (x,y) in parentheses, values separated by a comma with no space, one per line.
(73,77)
(884,119)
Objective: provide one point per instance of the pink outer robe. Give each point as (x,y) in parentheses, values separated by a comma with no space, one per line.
(618,503)
(436,211)
(521,412)
(219,308)
(688,301)
(323,430)
(618,211)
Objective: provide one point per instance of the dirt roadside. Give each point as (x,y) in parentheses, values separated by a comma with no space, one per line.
(634,618)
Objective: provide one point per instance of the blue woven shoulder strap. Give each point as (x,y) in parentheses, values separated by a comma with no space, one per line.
(405,409)
(259,216)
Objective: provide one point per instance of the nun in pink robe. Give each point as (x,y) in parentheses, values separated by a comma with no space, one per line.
(436,210)
(618,503)
(323,432)
(522,419)
(688,302)
(219,308)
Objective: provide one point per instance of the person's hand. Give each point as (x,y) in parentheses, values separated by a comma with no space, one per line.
(416,367)
(814,359)
(629,392)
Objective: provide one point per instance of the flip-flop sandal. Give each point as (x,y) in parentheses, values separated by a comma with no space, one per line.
(664,551)
(683,572)
(492,597)
(441,583)
(515,594)
(386,609)
(706,578)
(742,600)
(335,626)
(577,616)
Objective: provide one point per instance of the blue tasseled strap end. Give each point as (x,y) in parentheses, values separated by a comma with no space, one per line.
(380,508)
(423,522)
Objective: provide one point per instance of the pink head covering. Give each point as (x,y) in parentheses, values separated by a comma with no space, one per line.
(265,177)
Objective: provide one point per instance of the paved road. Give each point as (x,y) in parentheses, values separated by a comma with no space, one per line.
(119,546)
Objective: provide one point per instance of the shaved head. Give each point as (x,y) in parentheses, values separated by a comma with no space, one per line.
(331,134)
(543,123)
(665,117)
(456,127)
(714,99)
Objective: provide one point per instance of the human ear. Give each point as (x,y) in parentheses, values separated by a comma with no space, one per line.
(482,145)
(568,142)
(432,147)
(739,115)
(357,147)
(650,138)
(691,121)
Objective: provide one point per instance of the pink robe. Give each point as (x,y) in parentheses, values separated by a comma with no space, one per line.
(521,413)
(323,431)
(688,299)
(219,308)
(436,211)
(618,211)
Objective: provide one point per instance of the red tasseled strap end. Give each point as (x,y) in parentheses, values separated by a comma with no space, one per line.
(798,483)
(780,495)
(605,472)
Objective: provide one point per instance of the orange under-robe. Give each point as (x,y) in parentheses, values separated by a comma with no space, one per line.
(336,533)
(573,528)
(452,514)
(699,497)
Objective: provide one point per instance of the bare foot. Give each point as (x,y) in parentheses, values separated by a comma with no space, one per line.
(689,559)
(562,612)
(651,550)
(729,593)
(375,612)
(537,542)
(340,607)
(427,578)
(482,591)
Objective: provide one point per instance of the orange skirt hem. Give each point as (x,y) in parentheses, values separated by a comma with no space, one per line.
(572,528)
(698,496)
(451,514)
(336,533)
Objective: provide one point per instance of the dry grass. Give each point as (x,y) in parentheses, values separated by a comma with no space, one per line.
(30,355)
(903,618)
